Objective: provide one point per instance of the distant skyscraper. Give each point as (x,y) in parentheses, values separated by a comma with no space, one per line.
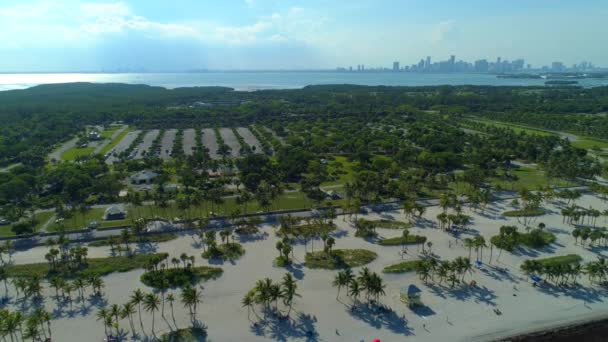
(481,65)
(395,66)
(427,65)
(557,66)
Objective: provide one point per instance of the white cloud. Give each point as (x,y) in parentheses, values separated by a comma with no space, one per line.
(445,30)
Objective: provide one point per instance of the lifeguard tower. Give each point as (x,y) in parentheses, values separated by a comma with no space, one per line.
(411,295)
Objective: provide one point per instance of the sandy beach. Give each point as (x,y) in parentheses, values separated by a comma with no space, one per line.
(460,314)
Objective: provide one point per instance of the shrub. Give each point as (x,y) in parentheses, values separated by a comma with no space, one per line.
(398,241)
(402,267)
(231,251)
(178,277)
(340,258)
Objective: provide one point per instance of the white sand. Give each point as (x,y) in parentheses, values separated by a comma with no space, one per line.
(456,315)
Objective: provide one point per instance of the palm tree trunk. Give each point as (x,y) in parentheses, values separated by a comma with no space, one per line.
(153,322)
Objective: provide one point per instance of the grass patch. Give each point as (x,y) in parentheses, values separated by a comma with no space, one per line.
(402,267)
(39,220)
(341,169)
(226,251)
(561,260)
(589,143)
(340,258)
(76,152)
(535,239)
(399,240)
(388,224)
(524,213)
(114,142)
(179,277)
(529,178)
(282,261)
(95,266)
(185,335)
(138,239)
(79,220)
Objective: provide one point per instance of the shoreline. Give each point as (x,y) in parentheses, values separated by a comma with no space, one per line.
(592,327)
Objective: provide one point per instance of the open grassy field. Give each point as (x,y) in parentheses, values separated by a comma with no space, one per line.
(529,178)
(343,168)
(589,143)
(107,134)
(76,152)
(40,218)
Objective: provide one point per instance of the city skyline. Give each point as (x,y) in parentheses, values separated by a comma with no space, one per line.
(95,35)
(499,65)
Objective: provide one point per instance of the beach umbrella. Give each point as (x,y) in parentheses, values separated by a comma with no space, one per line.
(376,340)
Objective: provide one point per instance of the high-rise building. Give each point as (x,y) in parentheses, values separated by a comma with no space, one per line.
(481,65)
(557,66)
(395,66)
(427,65)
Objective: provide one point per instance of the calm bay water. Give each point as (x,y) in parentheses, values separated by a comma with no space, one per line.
(273,80)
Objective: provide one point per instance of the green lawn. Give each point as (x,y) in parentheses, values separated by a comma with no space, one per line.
(402,267)
(114,142)
(81,220)
(589,143)
(345,171)
(524,213)
(107,134)
(398,241)
(529,178)
(40,219)
(76,152)
(339,258)
(95,266)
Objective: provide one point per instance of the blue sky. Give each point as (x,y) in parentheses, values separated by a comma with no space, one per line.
(69,35)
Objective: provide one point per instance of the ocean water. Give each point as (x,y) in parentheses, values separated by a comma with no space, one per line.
(272,80)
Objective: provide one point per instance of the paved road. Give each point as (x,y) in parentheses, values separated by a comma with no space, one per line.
(250,139)
(223,222)
(210,143)
(123,145)
(166,144)
(107,142)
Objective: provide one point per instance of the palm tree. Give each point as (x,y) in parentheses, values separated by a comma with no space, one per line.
(102,314)
(138,298)
(339,281)
(191,297)
(31,329)
(97,284)
(354,290)
(115,313)
(128,310)
(288,292)
(248,301)
(275,294)
(171,299)
(80,284)
(151,303)
(468,243)
(262,290)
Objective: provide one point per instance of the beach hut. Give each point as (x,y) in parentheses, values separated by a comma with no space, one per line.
(411,295)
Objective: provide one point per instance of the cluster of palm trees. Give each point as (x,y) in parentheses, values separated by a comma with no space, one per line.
(284,247)
(593,235)
(30,287)
(369,282)
(574,215)
(37,325)
(265,292)
(140,301)
(563,273)
(413,209)
(79,284)
(65,258)
(478,243)
(449,271)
